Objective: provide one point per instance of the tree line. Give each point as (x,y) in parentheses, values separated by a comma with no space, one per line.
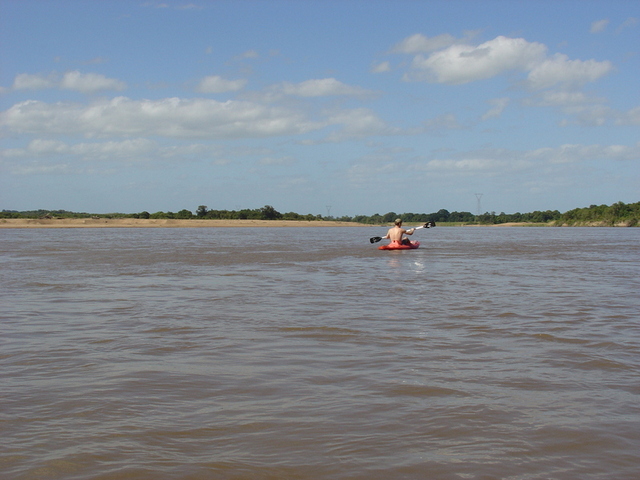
(606,215)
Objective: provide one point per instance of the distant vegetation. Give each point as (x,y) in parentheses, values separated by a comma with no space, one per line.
(618,214)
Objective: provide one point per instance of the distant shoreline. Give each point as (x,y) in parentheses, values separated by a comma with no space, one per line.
(215,223)
(162,223)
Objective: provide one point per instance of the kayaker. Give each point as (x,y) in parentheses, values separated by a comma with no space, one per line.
(395,234)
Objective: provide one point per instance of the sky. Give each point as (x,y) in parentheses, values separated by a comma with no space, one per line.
(324,107)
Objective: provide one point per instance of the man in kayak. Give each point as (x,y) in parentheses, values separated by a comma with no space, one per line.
(395,234)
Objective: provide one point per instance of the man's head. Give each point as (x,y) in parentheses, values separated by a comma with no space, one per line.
(398,222)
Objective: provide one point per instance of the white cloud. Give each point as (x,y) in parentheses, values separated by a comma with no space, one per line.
(562,98)
(359,122)
(599,26)
(169,117)
(558,69)
(38,147)
(321,88)
(75,80)
(37,169)
(585,110)
(570,153)
(217,84)
(591,115)
(110,149)
(134,148)
(26,81)
(502,160)
(460,64)
(498,162)
(89,82)
(419,43)
(46,151)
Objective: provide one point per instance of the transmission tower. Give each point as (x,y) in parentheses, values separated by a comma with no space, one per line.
(478,197)
(328,210)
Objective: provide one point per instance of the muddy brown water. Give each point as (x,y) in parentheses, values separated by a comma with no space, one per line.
(308,354)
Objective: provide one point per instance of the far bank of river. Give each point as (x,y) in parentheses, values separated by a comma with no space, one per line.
(198,223)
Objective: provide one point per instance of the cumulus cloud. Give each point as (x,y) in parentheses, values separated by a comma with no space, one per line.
(461,63)
(323,87)
(169,117)
(419,43)
(217,84)
(75,80)
(558,69)
(26,81)
(584,109)
(89,82)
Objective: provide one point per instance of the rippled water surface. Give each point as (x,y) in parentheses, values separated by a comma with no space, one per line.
(284,353)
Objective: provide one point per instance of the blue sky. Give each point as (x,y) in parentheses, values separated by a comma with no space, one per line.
(324,107)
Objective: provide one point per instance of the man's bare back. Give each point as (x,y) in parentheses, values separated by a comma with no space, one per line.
(396,233)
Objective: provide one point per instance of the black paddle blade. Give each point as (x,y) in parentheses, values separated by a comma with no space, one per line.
(429,224)
(375,239)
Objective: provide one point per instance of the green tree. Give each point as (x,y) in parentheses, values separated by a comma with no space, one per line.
(184,214)
(389,217)
(270,213)
(201,212)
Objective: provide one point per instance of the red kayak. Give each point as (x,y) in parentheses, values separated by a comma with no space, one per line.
(400,246)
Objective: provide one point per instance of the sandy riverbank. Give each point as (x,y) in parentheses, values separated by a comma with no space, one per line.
(160,223)
(174,223)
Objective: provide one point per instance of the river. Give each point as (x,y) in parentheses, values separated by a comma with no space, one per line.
(306,353)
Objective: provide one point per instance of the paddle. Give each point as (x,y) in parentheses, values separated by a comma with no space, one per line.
(426,225)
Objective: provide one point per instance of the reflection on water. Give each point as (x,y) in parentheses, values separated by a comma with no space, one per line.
(220,353)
